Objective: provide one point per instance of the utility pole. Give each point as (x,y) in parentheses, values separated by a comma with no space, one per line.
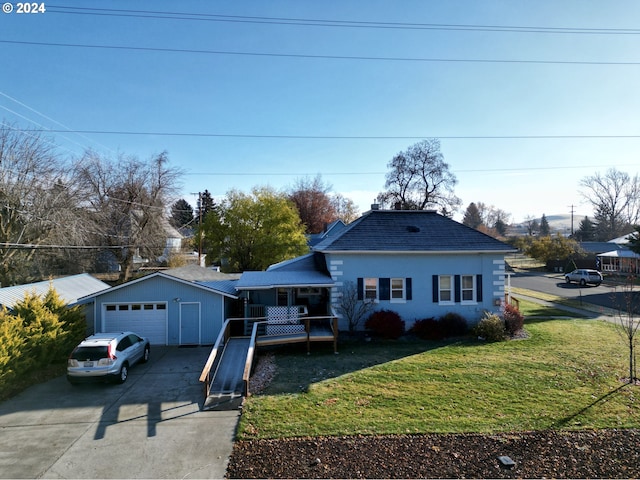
(199,227)
(572,220)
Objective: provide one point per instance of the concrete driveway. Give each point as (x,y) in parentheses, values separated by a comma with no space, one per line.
(149,427)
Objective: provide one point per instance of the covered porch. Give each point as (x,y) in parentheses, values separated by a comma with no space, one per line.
(290,302)
(621,262)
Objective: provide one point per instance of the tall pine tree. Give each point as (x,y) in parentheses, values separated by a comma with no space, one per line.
(472,217)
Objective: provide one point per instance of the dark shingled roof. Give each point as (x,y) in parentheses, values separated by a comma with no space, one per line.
(410,231)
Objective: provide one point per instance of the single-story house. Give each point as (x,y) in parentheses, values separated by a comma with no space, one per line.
(70,289)
(623,262)
(418,263)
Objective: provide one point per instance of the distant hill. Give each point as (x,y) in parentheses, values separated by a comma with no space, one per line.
(557,223)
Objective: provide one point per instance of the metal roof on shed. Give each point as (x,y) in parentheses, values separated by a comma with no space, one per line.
(70,289)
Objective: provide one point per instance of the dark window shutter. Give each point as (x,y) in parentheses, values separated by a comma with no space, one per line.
(434,288)
(385,288)
(458,288)
(360,289)
(479,288)
(407,286)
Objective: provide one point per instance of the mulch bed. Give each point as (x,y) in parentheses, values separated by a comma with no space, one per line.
(550,454)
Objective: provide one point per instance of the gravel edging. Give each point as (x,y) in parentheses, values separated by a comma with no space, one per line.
(550,454)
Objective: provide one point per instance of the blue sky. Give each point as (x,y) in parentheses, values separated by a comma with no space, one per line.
(268,82)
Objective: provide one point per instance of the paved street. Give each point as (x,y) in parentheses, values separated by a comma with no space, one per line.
(606,295)
(150,427)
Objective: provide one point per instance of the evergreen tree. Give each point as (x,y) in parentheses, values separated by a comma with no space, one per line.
(586,231)
(181,214)
(500,227)
(472,216)
(544,226)
(206,204)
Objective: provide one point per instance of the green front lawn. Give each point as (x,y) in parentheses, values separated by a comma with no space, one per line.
(566,375)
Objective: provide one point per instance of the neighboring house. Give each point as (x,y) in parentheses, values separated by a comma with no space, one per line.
(70,289)
(330,230)
(173,245)
(182,306)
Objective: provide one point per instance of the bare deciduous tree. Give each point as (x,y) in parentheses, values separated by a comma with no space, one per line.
(627,322)
(37,200)
(419,178)
(126,200)
(346,209)
(615,198)
(351,307)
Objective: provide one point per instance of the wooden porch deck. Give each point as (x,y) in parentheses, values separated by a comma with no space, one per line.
(226,373)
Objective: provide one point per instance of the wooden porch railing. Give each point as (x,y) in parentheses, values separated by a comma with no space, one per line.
(214,359)
(258,325)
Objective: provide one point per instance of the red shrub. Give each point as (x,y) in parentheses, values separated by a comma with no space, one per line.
(428,329)
(513,319)
(385,323)
(453,325)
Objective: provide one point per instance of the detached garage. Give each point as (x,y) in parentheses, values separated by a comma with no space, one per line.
(167,309)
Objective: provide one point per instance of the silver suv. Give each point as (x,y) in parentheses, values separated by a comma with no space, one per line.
(583,276)
(107,356)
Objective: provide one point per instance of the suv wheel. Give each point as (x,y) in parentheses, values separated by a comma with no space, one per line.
(145,355)
(124,373)
(583,282)
(567,279)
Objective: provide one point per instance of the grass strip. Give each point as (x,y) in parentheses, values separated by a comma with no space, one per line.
(565,375)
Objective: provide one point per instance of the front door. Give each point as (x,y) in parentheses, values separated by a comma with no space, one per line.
(189,323)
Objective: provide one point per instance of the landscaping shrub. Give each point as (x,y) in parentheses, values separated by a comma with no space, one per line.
(13,356)
(453,325)
(513,319)
(385,323)
(491,328)
(428,329)
(38,332)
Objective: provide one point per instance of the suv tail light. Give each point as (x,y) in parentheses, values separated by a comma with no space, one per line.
(111,358)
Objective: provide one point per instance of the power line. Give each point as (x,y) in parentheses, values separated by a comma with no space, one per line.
(334,23)
(360,173)
(345,137)
(44,116)
(320,57)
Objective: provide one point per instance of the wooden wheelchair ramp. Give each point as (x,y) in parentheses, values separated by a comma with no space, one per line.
(227,385)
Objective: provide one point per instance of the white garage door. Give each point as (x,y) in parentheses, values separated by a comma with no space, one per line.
(146,319)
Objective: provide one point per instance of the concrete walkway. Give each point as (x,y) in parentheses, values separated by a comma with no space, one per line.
(594,312)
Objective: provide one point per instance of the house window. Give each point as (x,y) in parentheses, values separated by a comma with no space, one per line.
(371,288)
(397,289)
(468,288)
(445,283)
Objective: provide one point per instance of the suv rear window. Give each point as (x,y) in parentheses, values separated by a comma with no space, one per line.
(90,353)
